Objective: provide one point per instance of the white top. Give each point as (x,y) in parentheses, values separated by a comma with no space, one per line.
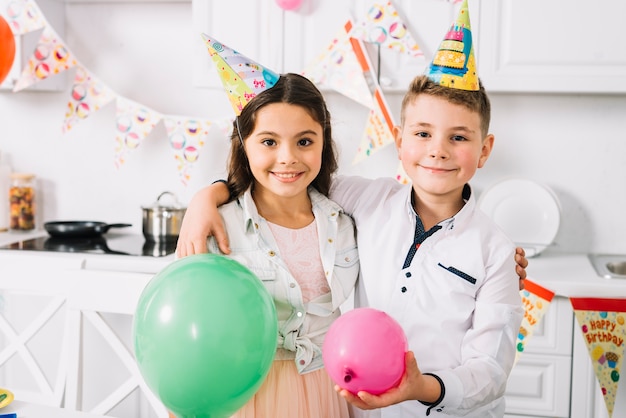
(458,300)
(301,326)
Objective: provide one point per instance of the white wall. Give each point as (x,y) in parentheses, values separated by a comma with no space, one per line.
(144,51)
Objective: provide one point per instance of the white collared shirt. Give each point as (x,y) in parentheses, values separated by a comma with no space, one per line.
(301,327)
(458,300)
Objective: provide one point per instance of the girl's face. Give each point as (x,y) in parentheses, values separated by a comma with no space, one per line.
(441,146)
(284,151)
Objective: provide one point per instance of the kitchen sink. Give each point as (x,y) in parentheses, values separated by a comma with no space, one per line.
(609,266)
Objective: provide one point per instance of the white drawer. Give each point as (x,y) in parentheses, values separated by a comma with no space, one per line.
(553,334)
(539,385)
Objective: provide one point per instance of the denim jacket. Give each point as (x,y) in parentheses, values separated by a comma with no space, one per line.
(301,327)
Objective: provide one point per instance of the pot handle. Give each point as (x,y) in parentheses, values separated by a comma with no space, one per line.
(168,193)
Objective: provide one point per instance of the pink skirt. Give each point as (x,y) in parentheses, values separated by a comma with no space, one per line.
(287,394)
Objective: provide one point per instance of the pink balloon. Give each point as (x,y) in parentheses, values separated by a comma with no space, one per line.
(364,350)
(289,4)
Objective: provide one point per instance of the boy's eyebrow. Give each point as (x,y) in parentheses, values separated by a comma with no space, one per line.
(461,128)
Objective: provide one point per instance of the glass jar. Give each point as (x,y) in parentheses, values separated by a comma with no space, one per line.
(22,202)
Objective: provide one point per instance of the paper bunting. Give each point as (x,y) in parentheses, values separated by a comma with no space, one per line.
(536,301)
(378,130)
(88,95)
(134,122)
(340,68)
(383,26)
(225,126)
(187,136)
(51,57)
(401,175)
(24,16)
(602,323)
(242,77)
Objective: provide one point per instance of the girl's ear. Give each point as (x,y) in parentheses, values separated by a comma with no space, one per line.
(486,150)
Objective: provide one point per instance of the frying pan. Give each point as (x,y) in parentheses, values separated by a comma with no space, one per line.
(68,229)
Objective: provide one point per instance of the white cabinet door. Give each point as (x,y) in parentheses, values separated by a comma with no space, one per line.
(288,41)
(552,46)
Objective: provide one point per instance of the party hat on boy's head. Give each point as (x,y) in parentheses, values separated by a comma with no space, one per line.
(242,78)
(454,64)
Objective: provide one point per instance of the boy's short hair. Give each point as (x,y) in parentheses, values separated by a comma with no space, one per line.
(476,101)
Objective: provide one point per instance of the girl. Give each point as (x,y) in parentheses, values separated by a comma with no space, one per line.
(282,226)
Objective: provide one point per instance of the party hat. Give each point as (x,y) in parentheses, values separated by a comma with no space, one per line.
(242,78)
(454,64)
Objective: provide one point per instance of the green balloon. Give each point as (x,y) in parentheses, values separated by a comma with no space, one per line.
(205,333)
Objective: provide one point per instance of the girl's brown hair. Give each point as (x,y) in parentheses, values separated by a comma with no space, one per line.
(292,89)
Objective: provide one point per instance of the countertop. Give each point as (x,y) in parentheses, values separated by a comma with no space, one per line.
(567,275)
(89,261)
(28,410)
(573,275)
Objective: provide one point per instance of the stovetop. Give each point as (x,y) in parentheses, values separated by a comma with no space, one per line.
(120,244)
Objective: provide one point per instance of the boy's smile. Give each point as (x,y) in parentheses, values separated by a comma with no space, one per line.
(441,146)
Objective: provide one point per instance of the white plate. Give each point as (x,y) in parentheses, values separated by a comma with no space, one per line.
(528,212)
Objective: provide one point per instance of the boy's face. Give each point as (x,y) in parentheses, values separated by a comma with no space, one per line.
(441,146)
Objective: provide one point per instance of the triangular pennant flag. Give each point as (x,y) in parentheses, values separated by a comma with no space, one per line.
(133,123)
(401,175)
(225,126)
(536,300)
(383,26)
(602,323)
(187,136)
(24,16)
(51,57)
(242,77)
(454,64)
(88,95)
(343,69)
(378,130)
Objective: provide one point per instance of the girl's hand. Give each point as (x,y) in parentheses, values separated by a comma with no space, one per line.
(520,268)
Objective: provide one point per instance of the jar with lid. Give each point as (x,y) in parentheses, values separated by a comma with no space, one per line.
(22,202)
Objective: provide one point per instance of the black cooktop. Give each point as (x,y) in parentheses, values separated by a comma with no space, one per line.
(120,244)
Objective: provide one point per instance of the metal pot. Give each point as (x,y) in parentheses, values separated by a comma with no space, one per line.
(162,221)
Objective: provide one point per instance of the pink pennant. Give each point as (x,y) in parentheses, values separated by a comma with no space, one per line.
(133,124)
(383,26)
(88,95)
(187,136)
(24,16)
(51,57)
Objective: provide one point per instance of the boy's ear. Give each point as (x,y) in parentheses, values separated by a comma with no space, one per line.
(397,136)
(486,150)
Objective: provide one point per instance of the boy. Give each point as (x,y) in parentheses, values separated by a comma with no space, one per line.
(451,281)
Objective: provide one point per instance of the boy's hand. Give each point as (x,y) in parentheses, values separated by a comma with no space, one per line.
(413,386)
(202,220)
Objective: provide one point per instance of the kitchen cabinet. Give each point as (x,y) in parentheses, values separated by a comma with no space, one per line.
(288,41)
(539,382)
(559,46)
(529,46)
(66,330)
(554,376)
